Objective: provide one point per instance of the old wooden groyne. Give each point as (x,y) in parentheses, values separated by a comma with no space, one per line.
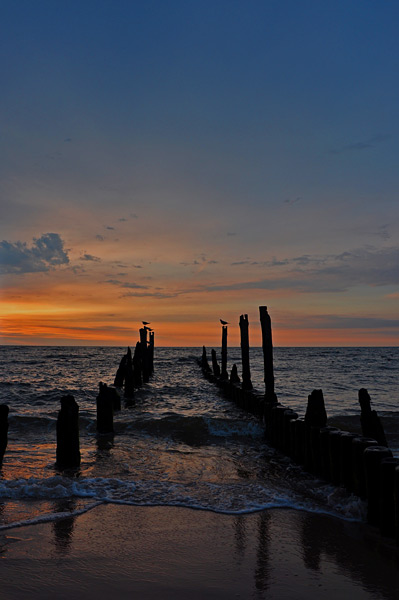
(133,371)
(362,464)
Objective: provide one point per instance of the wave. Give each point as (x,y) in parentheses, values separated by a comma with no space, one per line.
(196,430)
(229,498)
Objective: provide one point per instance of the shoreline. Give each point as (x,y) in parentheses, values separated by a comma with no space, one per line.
(170,552)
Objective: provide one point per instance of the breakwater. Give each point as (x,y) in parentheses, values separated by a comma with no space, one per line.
(362,464)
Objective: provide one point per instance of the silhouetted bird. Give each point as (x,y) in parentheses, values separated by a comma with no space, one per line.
(145,323)
(224,322)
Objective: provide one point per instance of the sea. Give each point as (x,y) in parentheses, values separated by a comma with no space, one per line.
(181,443)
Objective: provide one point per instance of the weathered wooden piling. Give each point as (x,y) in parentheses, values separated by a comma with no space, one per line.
(388,522)
(129,376)
(215,364)
(324,451)
(137,365)
(369,420)
(204,361)
(373,455)
(315,419)
(120,374)
(359,445)
(68,451)
(246,372)
(151,353)
(234,377)
(396,499)
(144,354)
(105,410)
(267,347)
(4,410)
(345,459)
(224,374)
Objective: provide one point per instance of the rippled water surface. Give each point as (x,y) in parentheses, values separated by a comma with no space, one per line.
(181,443)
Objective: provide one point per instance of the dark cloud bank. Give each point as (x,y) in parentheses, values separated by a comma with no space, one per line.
(45,253)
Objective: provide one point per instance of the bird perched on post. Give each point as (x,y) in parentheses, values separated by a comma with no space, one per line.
(223,322)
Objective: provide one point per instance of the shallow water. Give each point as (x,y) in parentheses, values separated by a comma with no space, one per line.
(182,443)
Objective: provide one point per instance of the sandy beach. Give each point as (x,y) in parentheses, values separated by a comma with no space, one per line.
(150,552)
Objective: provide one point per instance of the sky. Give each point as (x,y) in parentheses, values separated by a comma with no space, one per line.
(179,162)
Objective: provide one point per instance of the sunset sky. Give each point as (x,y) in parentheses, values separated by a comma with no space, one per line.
(185,161)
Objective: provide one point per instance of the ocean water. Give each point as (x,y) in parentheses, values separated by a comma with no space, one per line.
(182,443)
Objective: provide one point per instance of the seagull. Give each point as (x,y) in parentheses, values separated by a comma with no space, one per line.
(145,323)
(224,322)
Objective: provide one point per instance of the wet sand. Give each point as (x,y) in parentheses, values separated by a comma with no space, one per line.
(123,552)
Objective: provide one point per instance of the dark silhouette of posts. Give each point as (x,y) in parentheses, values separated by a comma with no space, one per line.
(68,452)
(129,376)
(137,365)
(215,364)
(105,410)
(4,410)
(369,420)
(246,373)
(267,348)
(151,353)
(204,361)
(121,372)
(144,354)
(224,373)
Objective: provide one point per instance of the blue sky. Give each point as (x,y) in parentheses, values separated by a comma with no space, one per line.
(207,155)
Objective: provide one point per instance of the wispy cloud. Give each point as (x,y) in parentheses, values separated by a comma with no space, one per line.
(90,257)
(45,253)
(157,295)
(325,273)
(122,284)
(366,144)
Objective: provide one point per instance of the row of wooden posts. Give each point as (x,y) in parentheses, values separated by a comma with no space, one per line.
(132,372)
(363,464)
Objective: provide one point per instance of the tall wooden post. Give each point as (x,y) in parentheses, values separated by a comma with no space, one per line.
(224,373)
(151,353)
(4,410)
(246,373)
(144,354)
(267,347)
(68,453)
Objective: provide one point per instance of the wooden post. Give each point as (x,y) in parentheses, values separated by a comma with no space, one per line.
(204,361)
(4,410)
(68,453)
(137,366)
(151,353)
(224,373)
(267,347)
(370,422)
(372,466)
(215,365)
(234,378)
(129,376)
(121,372)
(105,410)
(246,373)
(144,354)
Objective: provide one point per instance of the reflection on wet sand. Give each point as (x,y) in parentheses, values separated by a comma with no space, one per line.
(63,528)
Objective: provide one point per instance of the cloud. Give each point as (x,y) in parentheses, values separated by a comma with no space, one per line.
(90,257)
(100,238)
(326,273)
(344,322)
(109,227)
(362,145)
(158,295)
(46,253)
(134,286)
